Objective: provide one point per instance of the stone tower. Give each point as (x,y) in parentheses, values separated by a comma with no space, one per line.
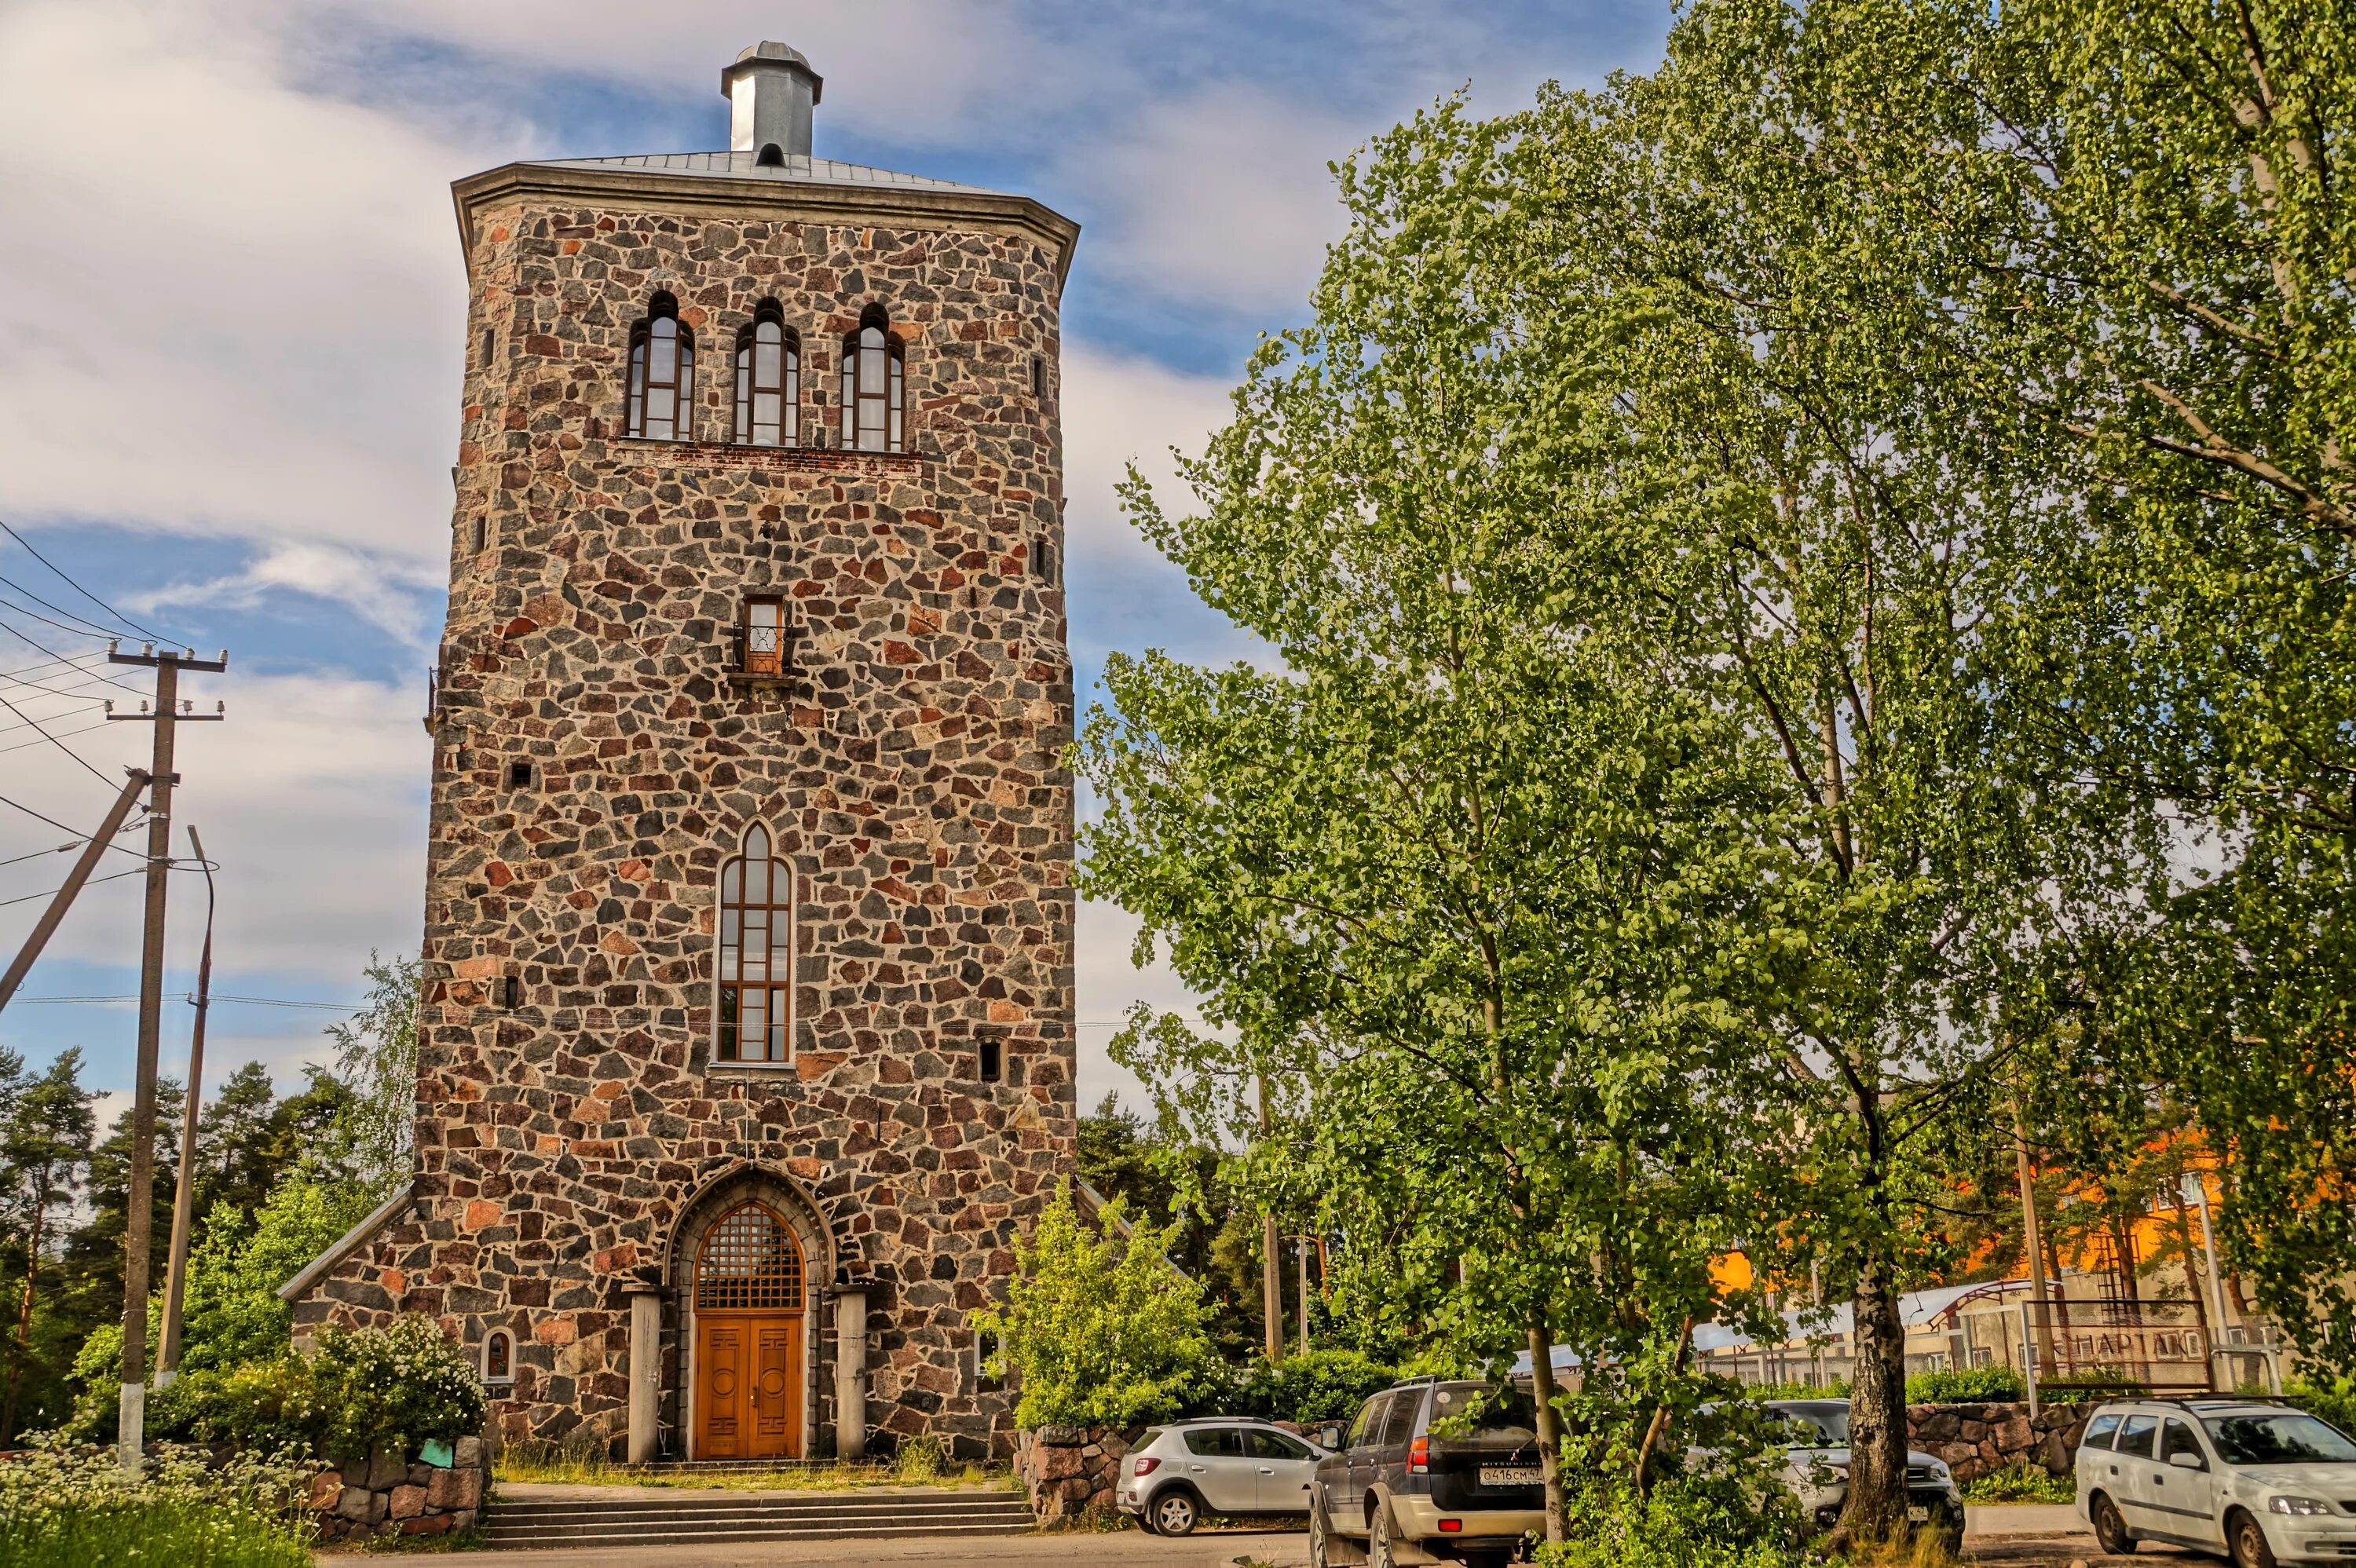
(746,1040)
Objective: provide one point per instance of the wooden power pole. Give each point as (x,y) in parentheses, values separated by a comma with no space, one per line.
(167,664)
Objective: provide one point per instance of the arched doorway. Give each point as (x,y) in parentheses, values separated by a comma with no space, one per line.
(748,1338)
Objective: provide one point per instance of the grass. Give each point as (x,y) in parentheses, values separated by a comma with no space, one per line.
(182,1534)
(919,1464)
(2020,1482)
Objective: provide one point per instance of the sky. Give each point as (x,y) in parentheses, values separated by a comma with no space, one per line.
(231,319)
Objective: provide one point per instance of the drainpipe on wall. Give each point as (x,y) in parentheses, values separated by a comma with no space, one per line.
(646,1370)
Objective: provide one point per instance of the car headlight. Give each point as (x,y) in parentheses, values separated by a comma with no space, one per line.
(2298,1505)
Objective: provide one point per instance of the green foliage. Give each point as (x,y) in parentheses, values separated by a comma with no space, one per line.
(2091,1385)
(376,1058)
(1323,1385)
(1103,1331)
(394,1388)
(2335,1402)
(2021,1482)
(75,1508)
(232,1310)
(1969,1385)
(1831,1388)
(1683,1522)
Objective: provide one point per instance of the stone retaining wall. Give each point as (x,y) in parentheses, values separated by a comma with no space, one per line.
(1070,1472)
(1975,1439)
(384,1495)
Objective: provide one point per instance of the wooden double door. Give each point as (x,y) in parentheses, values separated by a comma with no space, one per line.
(748,1385)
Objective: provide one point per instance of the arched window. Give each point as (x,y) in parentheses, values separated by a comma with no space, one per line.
(872,395)
(749,1262)
(499,1357)
(757,954)
(769,381)
(662,374)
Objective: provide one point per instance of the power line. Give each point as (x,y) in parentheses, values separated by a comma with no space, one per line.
(53,741)
(75,689)
(83,730)
(63,828)
(112,614)
(37,854)
(56,656)
(28,898)
(17,587)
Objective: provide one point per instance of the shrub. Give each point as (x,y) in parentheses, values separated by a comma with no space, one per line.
(2335,1403)
(1685,1521)
(2091,1385)
(1322,1385)
(394,1388)
(1831,1388)
(1104,1330)
(2021,1482)
(1967,1386)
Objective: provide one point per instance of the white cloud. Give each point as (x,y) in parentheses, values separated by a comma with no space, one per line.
(1117,410)
(322,571)
(1219,199)
(227,304)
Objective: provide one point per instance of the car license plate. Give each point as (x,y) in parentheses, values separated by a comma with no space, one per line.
(1509,1475)
(1920,1513)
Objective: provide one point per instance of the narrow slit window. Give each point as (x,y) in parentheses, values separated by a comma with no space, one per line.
(1039,375)
(756,954)
(1042,560)
(482,535)
(769,381)
(662,374)
(873,385)
(993,1063)
(511,992)
(519,776)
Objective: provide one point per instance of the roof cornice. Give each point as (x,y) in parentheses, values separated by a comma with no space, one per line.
(918,207)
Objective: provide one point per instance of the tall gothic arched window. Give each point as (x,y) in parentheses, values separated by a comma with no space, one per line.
(757,954)
(662,374)
(769,380)
(873,394)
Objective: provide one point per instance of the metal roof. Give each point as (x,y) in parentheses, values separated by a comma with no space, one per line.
(802,170)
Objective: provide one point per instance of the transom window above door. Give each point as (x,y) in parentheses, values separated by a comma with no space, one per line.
(757,955)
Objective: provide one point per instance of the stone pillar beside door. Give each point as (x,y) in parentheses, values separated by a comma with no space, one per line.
(646,1371)
(850,1374)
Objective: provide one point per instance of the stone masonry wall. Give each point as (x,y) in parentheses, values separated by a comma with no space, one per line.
(1975,1439)
(911,771)
(381,1496)
(1071,1473)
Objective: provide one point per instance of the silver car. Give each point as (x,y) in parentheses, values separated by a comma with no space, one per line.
(1230,1466)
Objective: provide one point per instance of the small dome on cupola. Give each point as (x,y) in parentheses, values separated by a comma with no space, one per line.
(771,91)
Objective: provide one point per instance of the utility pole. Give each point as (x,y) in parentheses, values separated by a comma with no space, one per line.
(63,898)
(167,663)
(184,1194)
(2033,1243)
(1271,1276)
(1302,1244)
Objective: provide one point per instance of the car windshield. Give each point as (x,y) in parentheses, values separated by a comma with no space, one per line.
(1815,1426)
(1476,1409)
(2284,1439)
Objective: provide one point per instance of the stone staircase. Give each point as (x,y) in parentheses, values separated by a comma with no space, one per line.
(526,1517)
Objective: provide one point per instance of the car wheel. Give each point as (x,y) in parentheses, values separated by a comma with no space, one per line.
(2109,1528)
(1378,1538)
(1321,1543)
(1174,1513)
(2247,1537)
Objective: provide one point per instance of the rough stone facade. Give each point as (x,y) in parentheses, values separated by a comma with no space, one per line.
(382,1496)
(1071,1473)
(595,765)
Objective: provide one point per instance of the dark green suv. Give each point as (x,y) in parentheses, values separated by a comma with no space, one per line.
(1430,1472)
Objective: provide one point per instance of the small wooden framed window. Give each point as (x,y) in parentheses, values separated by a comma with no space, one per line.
(764,636)
(662,374)
(874,385)
(769,380)
(498,1358)
(754,1021)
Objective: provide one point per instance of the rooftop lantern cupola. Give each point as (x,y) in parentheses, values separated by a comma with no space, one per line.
(771,91)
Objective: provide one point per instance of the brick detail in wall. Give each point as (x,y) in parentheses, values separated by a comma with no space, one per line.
(909,767)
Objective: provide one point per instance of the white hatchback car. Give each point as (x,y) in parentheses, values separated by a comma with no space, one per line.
(2257,1480)
(1233,1466)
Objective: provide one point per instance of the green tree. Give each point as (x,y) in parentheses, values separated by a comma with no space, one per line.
(47,1126)
(1103,1331)
(375,1060)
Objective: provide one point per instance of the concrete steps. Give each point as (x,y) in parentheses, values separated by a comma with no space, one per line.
(656,1515)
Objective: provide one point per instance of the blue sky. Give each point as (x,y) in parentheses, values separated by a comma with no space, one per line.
(232,308)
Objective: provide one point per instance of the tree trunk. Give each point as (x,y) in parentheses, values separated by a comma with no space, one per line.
(25,1315)
(1661,1410)
(1542,1390)
(1876,1406)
